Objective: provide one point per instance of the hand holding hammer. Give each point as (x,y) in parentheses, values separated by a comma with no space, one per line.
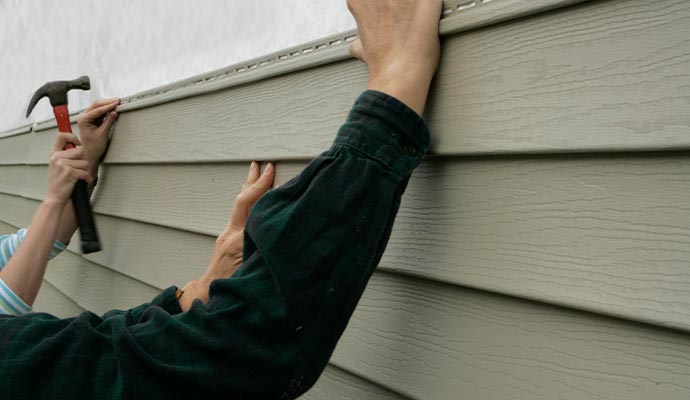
(57,94)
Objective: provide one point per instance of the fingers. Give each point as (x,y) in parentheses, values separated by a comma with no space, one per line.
(81,175)
(98,112)
(72,158)
(101,102)
(70,164)
(357,50)
(109,120)
(251,193)
(254,173)
(63,138)
(77,164)
(265,181)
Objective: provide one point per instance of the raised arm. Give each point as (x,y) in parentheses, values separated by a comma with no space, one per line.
(94,126)
(23,273)
(309,249)
(20,282)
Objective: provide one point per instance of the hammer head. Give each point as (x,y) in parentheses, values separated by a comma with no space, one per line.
(57,92)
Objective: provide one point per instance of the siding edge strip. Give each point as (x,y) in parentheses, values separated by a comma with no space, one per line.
(462,17)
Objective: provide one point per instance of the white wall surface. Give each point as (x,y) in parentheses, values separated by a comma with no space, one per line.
(132,45)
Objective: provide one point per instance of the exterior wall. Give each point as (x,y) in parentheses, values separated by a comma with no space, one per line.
(541,251)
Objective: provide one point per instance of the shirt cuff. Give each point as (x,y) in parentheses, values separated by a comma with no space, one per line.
(58,247)
(167,300)
(10,303)
(387,130)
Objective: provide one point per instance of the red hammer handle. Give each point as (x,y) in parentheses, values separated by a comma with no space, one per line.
(80,196)
(64,124)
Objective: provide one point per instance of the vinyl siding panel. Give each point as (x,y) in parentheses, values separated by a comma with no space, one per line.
(575,231)
(336,384)
(435,341)
(14,149)
(541,250)
(52,301)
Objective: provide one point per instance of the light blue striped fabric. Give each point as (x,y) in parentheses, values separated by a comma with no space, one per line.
(10,303)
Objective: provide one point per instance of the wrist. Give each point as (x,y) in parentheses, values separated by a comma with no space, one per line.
(212,275)
(407,83)
(94,168)
(51,202)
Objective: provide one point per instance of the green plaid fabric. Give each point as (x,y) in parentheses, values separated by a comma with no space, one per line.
(266,333)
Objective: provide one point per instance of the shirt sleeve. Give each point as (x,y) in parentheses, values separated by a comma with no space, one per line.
(10,303)
(267,332)
(10,243)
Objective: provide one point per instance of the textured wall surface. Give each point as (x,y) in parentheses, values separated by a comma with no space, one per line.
(541,251)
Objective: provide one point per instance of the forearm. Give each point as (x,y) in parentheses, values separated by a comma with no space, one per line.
(68,220)
(24,271)
(68,224)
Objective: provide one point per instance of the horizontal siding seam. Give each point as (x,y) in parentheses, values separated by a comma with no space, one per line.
(98,264)
(658,325)
(122,217)
(129,277)
(75,301)
(334,364)
(55,288)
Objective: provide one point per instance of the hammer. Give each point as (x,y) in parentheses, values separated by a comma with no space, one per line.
(57,93)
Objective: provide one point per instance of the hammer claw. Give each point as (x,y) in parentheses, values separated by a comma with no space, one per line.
(57,92)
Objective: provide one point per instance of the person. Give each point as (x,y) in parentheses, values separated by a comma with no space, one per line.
(22,267)
(266,327)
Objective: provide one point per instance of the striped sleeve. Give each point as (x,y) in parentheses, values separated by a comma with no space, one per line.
(10,243)
(10,303)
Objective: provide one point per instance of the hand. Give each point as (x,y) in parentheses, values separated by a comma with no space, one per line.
(66,168)
(227,253)
(94,125)
(398,39)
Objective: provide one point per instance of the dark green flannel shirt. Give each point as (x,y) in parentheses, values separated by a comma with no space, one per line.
(266,333)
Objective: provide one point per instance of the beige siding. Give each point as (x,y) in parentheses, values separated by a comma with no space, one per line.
(13,149)
(336,384)
(52,301)
(575,231)
(436,341)
(540,252)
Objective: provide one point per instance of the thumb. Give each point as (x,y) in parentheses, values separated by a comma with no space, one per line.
(109,121)
(356,49)
(63,138)
(249,196)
